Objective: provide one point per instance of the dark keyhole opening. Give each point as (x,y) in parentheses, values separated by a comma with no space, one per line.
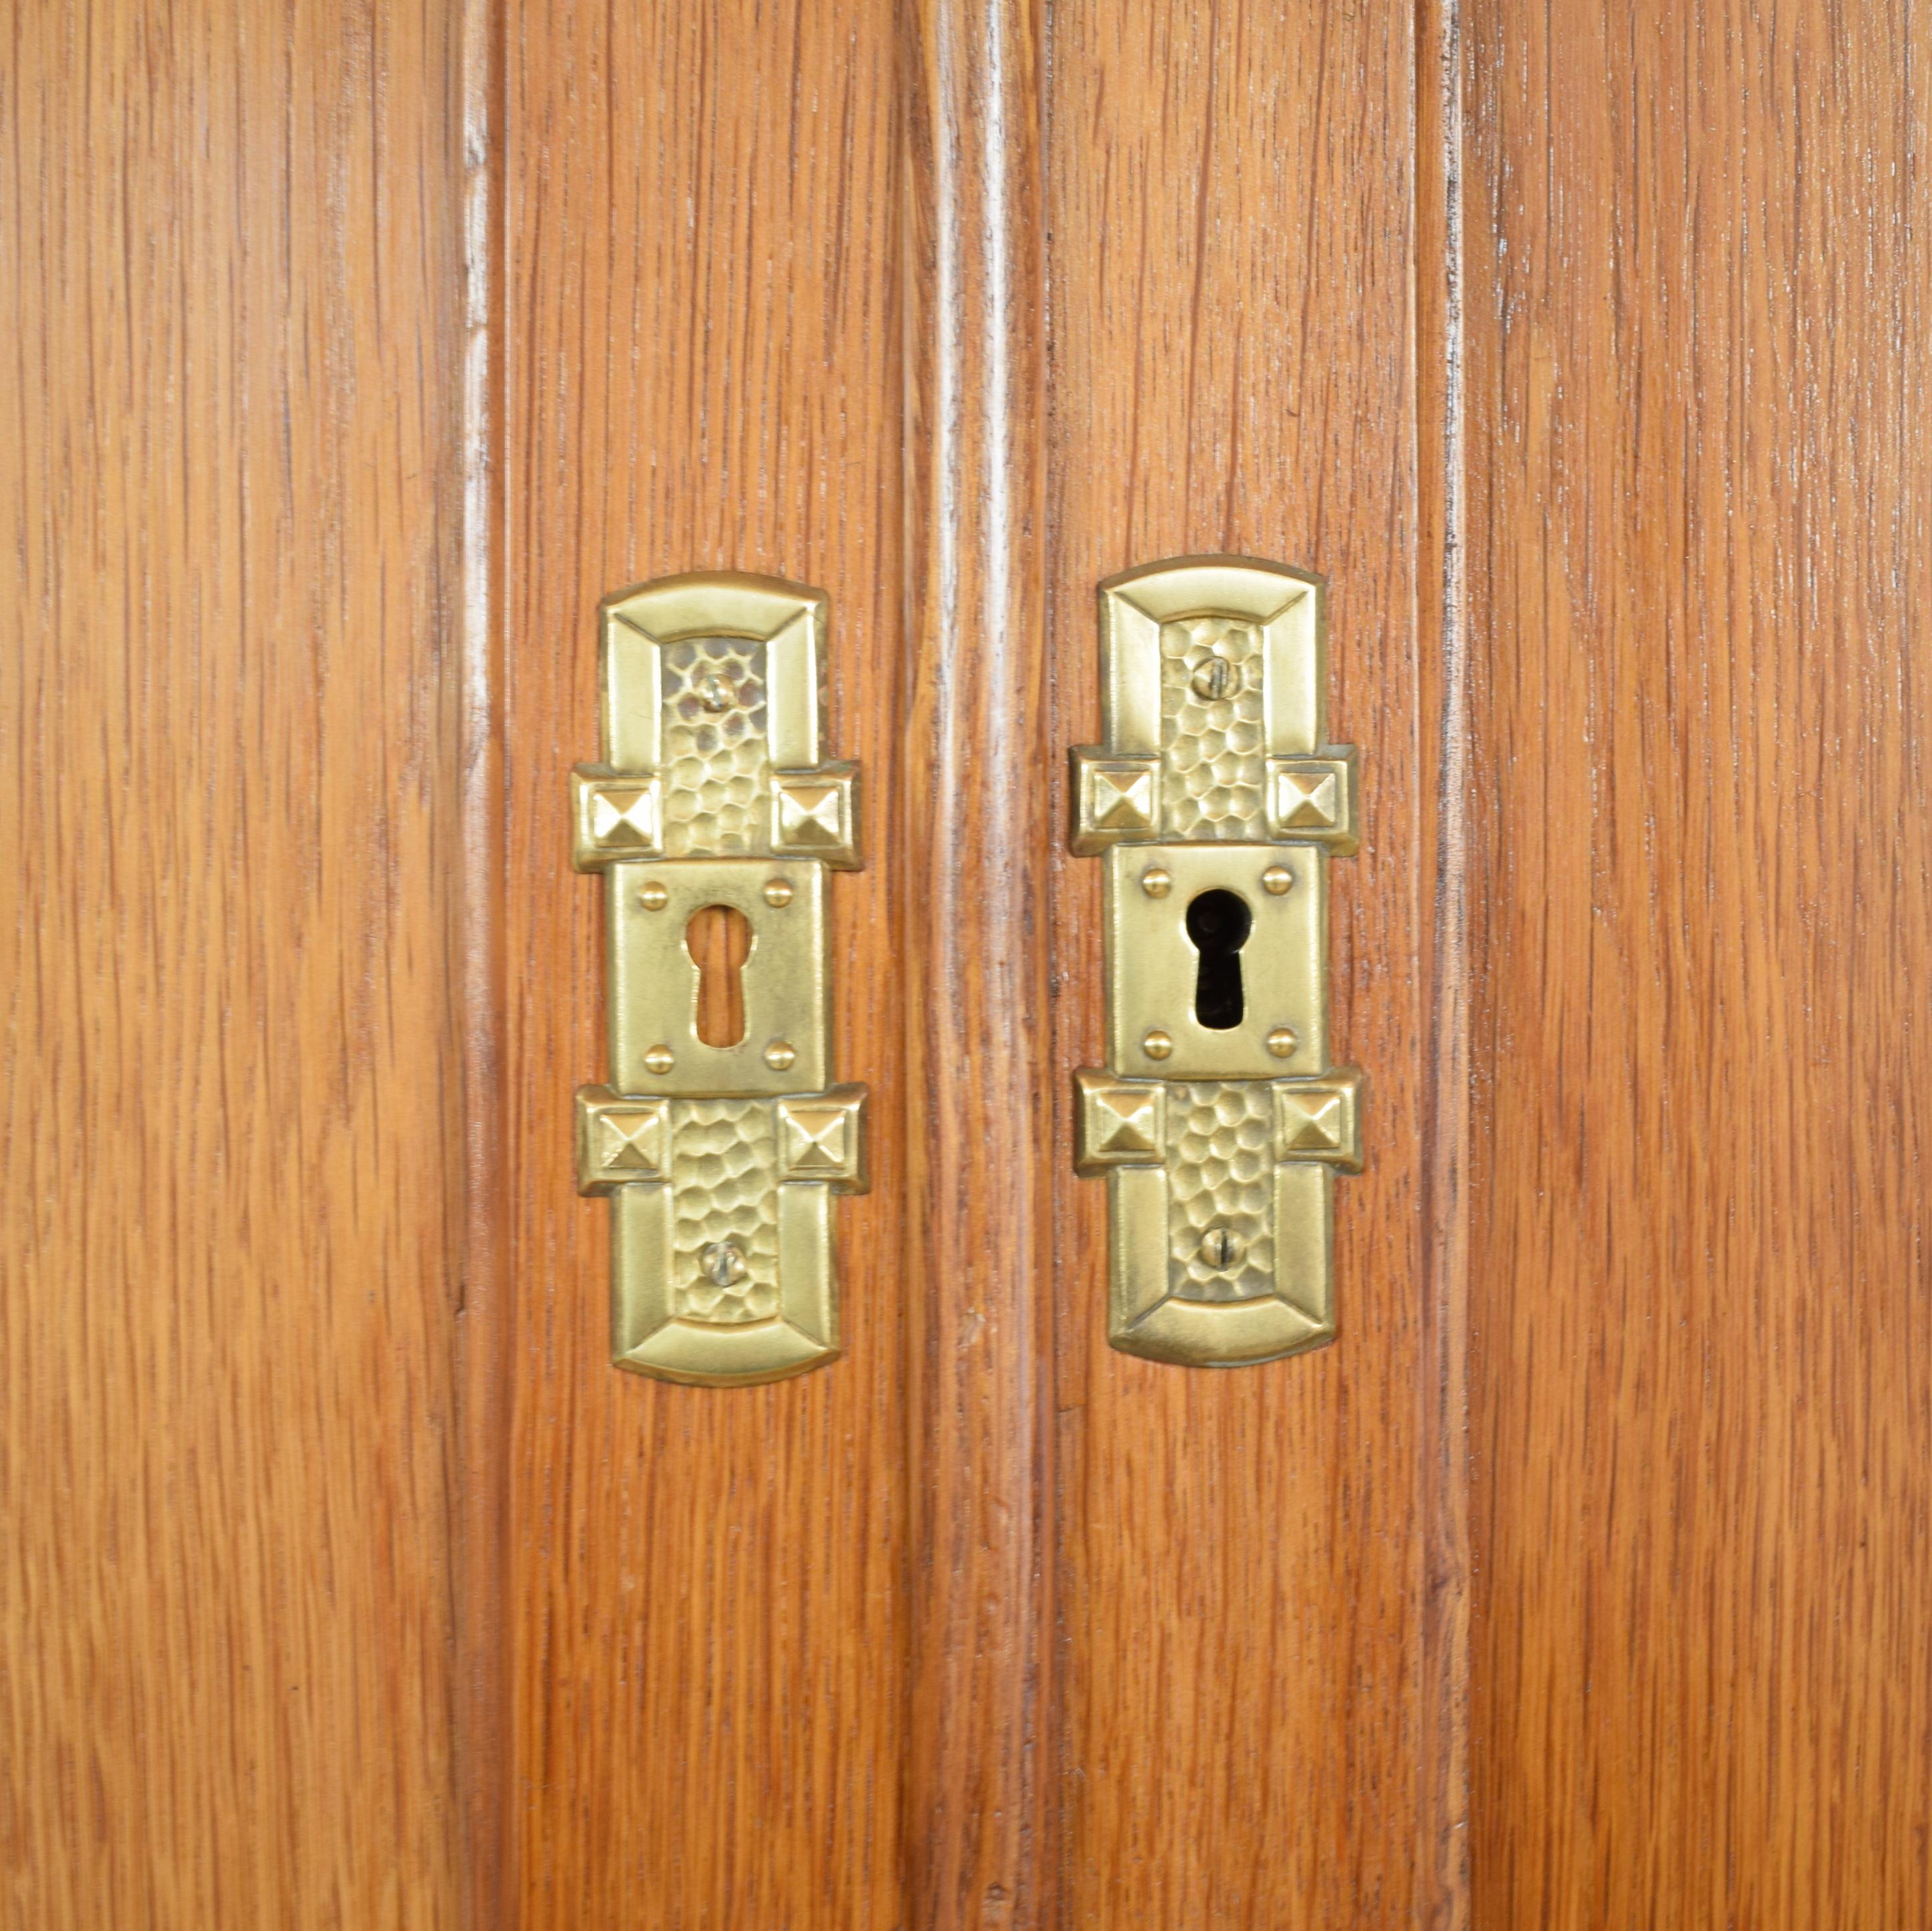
(1219,923)
(718,939)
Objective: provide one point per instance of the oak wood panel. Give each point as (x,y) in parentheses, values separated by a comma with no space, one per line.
(229,252)
(975,832)
(1700,520)
(1230,196)
(700,350)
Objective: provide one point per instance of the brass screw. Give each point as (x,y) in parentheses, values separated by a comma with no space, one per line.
(1156,882)
(717,692)
(660,1060)
(779,1054)
(1277,879)
(653,895)
(777,891)
(1219,1249)
(1215,679)
(1157,1046)
(1282,1042)
(723,1263)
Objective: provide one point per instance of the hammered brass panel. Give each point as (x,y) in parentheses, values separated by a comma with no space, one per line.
(1213,756)
(724,1181)
(1220,1169)
(717,762)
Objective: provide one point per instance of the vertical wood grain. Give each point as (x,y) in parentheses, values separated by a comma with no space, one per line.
(486,1795)
(975,830)
(1444,806)
(229,257)
(699,351)
(1700,559)
(1230,204)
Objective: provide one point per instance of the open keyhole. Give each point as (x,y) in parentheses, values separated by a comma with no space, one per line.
(718,939)
(1219,923)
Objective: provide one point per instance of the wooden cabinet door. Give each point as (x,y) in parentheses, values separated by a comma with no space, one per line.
(357,353)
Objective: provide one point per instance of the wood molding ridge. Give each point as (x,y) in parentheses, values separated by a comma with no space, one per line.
(1441,636)
(483,1699)
(974,843)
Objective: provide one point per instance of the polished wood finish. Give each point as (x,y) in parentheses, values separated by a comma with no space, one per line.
(230,498)
(1241,1552)
(1700,525)
(975,835)
(357,353)
(699,326)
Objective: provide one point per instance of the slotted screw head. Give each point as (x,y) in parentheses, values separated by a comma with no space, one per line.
(1157,1046)
(717,692)
(779,1054)
(723,1263)
(653,895)
(1282,1042)
(660,1060)
(1215,679)
(1156,882)
(1219,1249)
(777,891)
(1277,879)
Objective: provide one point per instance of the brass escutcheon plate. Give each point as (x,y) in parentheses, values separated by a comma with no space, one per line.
(720,1159)
(1217,1120)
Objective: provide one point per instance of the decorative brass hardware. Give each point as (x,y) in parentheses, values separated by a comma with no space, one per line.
(1217,803)
(719,1160)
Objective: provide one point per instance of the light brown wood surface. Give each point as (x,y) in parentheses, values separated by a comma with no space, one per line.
(229,268)
(1700,518)
(700,319)
(355,355)
(1241,1552)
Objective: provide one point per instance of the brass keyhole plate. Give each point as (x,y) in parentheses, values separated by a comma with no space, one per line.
(716,823)
(1217,1120)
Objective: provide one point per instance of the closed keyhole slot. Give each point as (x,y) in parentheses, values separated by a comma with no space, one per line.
(1219,923)
(718,939)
